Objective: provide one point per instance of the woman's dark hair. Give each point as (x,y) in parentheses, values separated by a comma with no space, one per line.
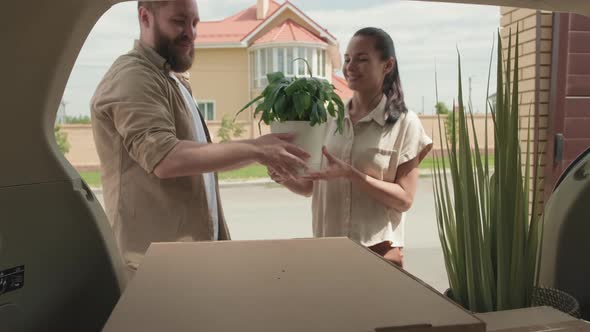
(392,86)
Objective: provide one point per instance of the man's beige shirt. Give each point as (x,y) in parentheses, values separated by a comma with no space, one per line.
(138,116)
(377,149)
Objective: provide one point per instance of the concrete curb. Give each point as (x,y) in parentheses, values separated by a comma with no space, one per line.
(243,183)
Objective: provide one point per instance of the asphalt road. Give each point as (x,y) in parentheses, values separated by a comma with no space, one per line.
(257,212)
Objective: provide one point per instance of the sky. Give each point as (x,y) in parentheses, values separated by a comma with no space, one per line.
(426,34)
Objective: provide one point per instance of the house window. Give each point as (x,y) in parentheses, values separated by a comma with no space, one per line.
(318,62)
(268,60)
(262,68)
(301,64)
(309,58)
(289,61)
(253,66)
(281,59)
(207,109)
(323,65)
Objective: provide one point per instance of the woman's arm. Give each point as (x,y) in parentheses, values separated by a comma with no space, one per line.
(398,195)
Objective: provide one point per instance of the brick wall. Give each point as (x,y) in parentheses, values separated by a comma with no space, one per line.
(535,55)
(83,155)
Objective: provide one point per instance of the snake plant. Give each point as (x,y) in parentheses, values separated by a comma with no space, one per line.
(489,233)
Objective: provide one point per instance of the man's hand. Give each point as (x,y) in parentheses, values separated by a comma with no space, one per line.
(275,176)
(277,153)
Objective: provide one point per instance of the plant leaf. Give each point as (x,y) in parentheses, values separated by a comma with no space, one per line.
(275,77)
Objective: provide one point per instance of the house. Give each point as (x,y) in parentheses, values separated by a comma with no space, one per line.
(234,55)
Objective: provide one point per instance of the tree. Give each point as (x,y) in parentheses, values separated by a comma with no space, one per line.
(449,121)
(441,108)
(61,139)
(77,119)
(229,128)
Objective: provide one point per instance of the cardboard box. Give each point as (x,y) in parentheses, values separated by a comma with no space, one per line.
(535,319)
(280,286)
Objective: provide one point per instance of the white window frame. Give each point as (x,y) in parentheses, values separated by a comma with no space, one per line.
(283,52)
(315,68)
(323,64)
(287,62)
(269,64)
(258,67)
(275,59)
(204,112)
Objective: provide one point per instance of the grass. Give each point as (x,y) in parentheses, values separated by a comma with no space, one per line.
(428,162)
(91,178)
(250,172)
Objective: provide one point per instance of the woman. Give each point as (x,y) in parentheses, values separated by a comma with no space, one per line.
(370,172)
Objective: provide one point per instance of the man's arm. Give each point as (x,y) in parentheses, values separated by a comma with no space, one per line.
(190,158)
(141,114)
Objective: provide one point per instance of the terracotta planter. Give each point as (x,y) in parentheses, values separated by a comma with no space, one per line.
(550,297)
(308,138)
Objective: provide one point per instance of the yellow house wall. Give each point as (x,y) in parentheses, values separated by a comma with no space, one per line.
(222,76)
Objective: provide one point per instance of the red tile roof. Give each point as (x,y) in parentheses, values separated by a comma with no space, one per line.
(289,31)
(234,28)
(342,88)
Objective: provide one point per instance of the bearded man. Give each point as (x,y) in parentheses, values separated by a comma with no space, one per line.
(158,165)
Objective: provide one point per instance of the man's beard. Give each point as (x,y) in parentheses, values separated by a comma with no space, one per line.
(168,49)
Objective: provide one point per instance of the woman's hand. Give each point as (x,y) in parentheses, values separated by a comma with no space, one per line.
(335,169)
(396,195)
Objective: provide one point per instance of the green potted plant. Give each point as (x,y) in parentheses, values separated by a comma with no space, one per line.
(300,105)
(489,234)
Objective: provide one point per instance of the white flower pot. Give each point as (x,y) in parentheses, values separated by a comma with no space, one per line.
(307,138)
